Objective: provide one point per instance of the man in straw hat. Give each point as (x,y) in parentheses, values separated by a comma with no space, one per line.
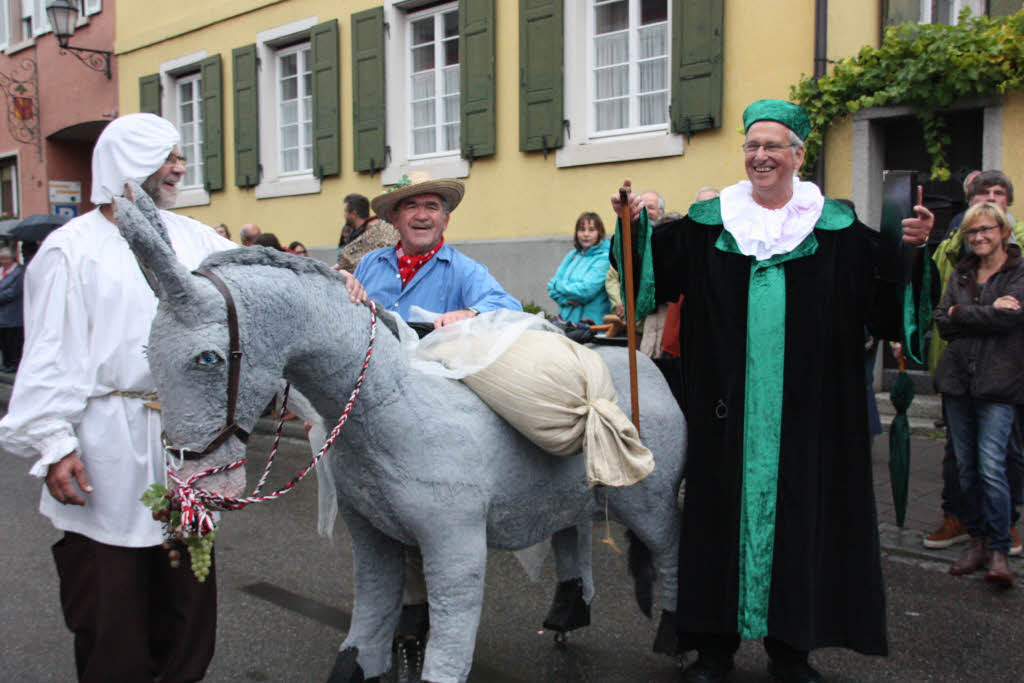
(80,408)
(421,270)
(779,537)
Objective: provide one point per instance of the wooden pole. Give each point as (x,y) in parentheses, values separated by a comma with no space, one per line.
(626,273)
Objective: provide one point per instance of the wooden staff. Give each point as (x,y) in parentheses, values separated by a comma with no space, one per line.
(630,303)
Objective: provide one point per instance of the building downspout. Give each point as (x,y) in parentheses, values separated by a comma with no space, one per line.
(820,67)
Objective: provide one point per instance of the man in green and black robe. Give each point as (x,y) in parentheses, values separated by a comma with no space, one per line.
(779,537)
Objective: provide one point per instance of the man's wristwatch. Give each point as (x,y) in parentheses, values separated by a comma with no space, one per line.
(473,311)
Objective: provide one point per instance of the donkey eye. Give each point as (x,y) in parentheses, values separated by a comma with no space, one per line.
(208,358)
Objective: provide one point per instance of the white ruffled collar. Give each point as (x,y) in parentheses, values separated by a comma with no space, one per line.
(763,233)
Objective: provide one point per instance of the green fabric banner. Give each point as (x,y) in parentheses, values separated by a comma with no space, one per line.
(642,254)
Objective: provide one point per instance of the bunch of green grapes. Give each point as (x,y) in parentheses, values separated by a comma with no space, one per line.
(200,548)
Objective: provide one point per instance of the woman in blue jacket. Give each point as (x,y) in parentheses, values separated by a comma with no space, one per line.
(578,286)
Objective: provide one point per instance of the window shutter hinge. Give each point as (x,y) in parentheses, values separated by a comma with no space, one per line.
(387,30)
(568,129)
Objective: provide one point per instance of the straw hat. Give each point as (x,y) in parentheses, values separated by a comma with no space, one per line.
(449,189)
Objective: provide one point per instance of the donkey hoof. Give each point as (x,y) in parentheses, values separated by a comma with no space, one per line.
(568,609)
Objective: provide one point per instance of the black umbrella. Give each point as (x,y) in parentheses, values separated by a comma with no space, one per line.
(6,226)
(35,228)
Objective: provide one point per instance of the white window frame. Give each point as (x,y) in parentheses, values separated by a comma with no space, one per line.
(40,22)
(15,183)
(581,146)
(438,99)
(397,59)
(634,77)
(193,155)
(170,72)
(274,183)
(298,49)
(978,9)
(5,24)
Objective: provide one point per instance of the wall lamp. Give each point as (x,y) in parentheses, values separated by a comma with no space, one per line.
(63,17)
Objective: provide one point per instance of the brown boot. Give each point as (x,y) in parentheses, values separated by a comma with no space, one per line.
(971,561)
(999,570)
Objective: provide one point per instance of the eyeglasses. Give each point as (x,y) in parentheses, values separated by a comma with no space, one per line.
(977,231)
(769,148)
(173,159)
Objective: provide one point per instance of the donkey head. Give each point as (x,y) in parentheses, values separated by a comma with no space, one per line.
(188,348)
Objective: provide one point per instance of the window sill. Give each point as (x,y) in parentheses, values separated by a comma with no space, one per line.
(192,196)
(603,151)
(445,167)
(18,47)
(287,187)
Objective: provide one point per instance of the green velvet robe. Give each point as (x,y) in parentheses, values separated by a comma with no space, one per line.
(777,417)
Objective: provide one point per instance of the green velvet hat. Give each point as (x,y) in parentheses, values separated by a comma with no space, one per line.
(788,114)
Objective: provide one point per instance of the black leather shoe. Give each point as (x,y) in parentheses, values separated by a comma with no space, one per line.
(706,670)
(797,672)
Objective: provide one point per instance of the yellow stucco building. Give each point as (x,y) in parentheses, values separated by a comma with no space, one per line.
(543,107)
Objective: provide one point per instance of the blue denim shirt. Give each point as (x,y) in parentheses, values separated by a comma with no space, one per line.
(448,282)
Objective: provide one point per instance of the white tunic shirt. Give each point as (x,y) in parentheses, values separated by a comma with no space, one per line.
(88,311)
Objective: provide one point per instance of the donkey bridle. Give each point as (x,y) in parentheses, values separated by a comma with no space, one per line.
(231,427)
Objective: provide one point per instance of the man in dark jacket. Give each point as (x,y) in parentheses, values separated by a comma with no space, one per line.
(12,331)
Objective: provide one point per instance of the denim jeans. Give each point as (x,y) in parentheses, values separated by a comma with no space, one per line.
(1015,465)
(980,431)
(952,496)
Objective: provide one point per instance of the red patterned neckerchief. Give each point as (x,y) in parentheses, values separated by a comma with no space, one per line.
(408,266)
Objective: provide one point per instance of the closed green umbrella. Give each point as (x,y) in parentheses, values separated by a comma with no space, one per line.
(899,442)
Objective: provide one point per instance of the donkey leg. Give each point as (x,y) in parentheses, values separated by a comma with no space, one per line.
(455,563)
(657,528)
(378,569)
(570,608)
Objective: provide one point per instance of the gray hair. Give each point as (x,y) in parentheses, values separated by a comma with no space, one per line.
(6,251)
(706,188)
(795,140)
(661,200)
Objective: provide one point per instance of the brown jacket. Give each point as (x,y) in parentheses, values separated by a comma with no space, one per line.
(378,233)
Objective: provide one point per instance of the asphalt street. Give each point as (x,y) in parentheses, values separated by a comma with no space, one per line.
(285,598)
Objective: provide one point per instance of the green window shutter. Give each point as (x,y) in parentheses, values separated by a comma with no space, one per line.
(368,101)
(149,94)
(326,99)
(540,74)
(1003,8)
(895,12)
(697,35)
(244,65)
(476,54)
(212,105)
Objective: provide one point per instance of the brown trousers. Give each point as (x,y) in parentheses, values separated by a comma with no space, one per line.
(135,619)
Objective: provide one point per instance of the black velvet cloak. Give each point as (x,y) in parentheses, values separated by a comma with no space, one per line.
(826,584)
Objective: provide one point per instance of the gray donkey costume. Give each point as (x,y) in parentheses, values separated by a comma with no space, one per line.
(422,460)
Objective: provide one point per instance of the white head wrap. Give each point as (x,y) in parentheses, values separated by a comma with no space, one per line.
(131,147)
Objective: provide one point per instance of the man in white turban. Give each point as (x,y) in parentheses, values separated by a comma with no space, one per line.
(83,407)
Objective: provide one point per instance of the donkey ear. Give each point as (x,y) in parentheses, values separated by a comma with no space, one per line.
(167,276)
(145,204)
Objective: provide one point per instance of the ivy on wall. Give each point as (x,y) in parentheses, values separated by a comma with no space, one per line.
(928,67)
